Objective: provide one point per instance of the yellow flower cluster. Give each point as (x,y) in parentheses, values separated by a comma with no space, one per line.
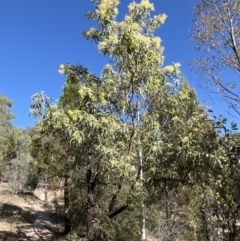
(161,18)
(113,39)
(61,69)
(102,45)
(91,32)
(131,7)
(177,70)
(177,65)
(105,5)
(77,136)
(141,39)
(147,5)
(65,120)
(156,41)
(169,69)
(74,115)
(121,25)
(102,99)
(136,27)
(84,91)
(115,11)
(129,25)
(173,68)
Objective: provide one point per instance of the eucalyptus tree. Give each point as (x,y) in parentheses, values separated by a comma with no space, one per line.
(117,123)
(216,34)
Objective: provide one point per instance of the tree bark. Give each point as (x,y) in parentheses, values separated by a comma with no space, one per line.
(46,188)
(67,219)
(143,226)
(167,209)
(232,232)
(90,214)
(204,224)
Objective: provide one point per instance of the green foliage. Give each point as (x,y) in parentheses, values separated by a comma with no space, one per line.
(5,128)
(188,136)
(135,118)
(47,152)
(224,188)
(19,169)
(15,159)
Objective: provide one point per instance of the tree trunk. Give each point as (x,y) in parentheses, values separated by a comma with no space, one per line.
(204,224)
(167,207)
(46,188)
(167,210)
(232,232)
(67,219)
(143,226)
(90,215)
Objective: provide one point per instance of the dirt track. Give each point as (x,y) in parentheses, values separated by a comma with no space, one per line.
(25,218)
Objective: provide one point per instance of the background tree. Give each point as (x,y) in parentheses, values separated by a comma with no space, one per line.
(186,157)
(217,34)
(5,129)
(47,153)
(54,161)
(221,191)
(19,170)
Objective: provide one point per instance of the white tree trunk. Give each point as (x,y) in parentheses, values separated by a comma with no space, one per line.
(143,228)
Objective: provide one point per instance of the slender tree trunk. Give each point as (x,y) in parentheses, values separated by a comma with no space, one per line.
(143,228)
(231,237)
(90,215)
(167,208)
(205,224)
(67,219)
(46,188)
(232,232)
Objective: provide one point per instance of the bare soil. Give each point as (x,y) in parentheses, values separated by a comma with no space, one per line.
(25,217)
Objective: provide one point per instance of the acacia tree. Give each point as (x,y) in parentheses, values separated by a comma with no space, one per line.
(116,122)
(217,34)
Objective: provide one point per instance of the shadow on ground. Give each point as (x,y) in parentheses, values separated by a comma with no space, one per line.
(8,236)
(12,213)
(30,224)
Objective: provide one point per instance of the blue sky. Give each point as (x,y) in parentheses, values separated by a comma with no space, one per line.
(37,36)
